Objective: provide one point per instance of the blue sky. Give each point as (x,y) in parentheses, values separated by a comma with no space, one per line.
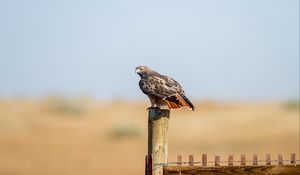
(221,50)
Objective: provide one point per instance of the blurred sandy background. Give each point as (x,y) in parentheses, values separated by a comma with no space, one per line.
(63,136)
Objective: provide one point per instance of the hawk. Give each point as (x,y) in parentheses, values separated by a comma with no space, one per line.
(162,90)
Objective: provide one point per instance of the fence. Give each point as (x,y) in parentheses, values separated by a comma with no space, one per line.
(242,166)
(156,160)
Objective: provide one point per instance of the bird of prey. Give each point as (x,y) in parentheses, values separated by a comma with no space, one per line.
(163,91)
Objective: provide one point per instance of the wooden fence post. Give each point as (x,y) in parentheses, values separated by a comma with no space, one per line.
(280,159)
(230,160)
(158,122)
(217,160)
(179,160)
(243,160)
(293,158)
(268,159)
(204,159)
(191,160)
(255,159)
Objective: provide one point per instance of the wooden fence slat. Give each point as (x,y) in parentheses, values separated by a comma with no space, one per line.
(280,159)
(204,159)
(255,159)
(268,159)
(191,160)
(148,165)
(293,158)
(179,160)
(151,167)
(217,160)
(243,160)
(230,160)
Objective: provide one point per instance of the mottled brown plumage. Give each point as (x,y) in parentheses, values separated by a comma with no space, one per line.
(162,90)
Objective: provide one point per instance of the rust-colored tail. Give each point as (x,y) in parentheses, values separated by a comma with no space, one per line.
(173,105)
(179,100)
(189,104)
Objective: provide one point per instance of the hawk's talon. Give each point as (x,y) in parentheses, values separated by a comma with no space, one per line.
(151,107)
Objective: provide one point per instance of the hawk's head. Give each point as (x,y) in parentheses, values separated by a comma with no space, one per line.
(142,70)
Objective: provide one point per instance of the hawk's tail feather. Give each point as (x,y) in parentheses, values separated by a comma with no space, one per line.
(185,101)
(179,100)
(173,105)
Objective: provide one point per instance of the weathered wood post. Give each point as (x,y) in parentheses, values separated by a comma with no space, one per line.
(158,123)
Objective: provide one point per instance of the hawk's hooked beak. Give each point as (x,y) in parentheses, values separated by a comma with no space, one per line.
(137,70)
